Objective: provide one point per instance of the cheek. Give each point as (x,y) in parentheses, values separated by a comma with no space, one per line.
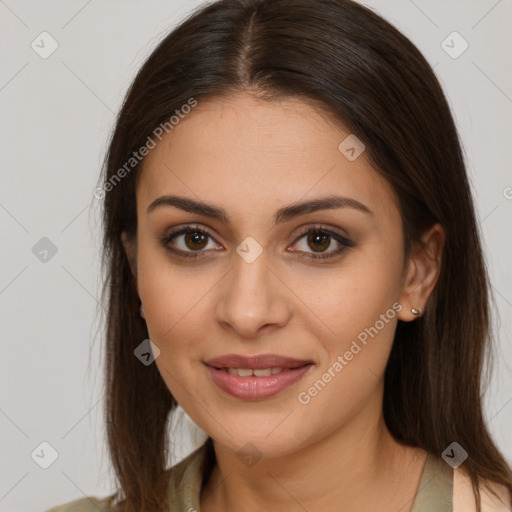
(173,312)
(175,299)
(355,353)
(160,291)
(354,297)
(358,308)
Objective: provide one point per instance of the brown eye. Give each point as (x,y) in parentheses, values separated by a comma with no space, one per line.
(195,240)
(315,242)
(189,241)
(319,242)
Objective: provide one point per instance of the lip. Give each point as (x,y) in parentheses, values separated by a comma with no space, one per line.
(257,362)
(256,388)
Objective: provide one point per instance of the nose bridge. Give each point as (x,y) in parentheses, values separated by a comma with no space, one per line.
(251,297)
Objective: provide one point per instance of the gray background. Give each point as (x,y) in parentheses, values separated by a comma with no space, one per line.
(56,116)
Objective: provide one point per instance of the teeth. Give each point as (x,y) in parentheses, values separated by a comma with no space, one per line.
(248,372)
(263,373)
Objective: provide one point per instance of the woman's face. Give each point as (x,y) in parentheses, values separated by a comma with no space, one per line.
(244,281)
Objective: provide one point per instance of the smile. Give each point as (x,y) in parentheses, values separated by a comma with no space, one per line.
(256,377)
(247,372)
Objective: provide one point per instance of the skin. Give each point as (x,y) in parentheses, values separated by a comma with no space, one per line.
(252,157)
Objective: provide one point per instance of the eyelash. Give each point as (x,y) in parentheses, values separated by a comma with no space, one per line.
(345,243)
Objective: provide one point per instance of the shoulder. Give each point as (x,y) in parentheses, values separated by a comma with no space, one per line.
(464,498)
(190,465)
(185,480)
(88,504)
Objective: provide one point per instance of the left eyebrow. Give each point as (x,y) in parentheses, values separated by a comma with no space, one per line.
(282,215)
(322,203)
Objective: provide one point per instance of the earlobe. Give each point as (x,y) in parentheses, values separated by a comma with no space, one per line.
(423,271)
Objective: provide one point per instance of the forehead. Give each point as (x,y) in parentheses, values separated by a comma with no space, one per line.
(252,155)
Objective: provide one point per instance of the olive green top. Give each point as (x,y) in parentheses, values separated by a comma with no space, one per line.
(186,479)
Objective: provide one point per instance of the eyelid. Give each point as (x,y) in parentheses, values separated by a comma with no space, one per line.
(324,229)
(345,243)
(185,229)
(329,256)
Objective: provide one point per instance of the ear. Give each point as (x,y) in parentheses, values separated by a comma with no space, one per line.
(422,272)
(130,248)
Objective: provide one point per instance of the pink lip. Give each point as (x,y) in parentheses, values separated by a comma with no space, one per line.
(254,388)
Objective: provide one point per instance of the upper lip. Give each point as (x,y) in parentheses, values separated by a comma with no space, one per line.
(257,362)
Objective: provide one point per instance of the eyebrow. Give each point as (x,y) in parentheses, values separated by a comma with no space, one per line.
(281,215)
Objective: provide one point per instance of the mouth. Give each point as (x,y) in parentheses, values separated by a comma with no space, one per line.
(256,377)
(257,362)
(252,372)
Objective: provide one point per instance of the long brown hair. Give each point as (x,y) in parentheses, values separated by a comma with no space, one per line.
(345,58)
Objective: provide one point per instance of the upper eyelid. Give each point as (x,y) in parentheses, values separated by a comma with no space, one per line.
(319,227)
(190,227)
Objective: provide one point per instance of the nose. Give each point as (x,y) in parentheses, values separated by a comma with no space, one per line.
(252,299)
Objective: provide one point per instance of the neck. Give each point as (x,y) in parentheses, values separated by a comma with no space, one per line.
(360,465)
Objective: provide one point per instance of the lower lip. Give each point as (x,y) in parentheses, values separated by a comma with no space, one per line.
(253,388)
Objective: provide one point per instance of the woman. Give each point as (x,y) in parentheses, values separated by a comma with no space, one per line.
(288,219)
